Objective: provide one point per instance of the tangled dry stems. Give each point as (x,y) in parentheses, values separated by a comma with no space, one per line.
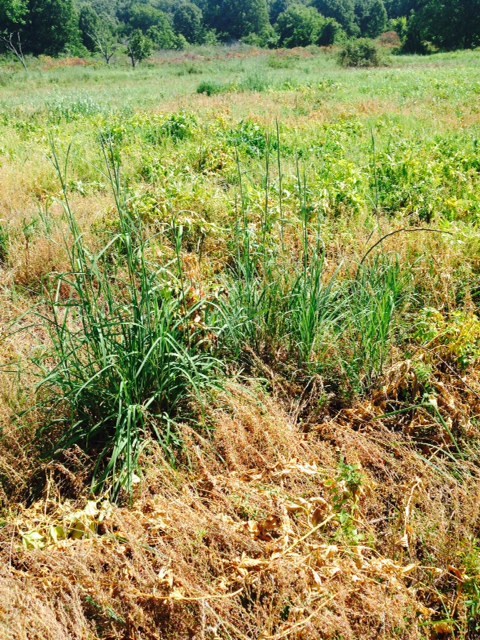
(265,536)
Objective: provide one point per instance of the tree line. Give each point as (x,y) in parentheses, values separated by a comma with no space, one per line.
(52,27)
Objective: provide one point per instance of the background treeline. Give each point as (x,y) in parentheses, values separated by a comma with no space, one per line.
(138,27)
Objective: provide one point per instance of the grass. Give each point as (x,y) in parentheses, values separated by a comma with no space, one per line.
(127,355)
(250,290)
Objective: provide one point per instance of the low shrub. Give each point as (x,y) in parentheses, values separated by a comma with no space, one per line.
(360,53)
(210,88)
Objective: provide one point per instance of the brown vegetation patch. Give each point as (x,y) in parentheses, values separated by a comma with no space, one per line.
(351,529)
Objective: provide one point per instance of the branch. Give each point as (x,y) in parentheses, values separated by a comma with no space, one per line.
(393,233)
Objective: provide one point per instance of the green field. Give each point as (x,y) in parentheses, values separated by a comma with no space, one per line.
(239,347)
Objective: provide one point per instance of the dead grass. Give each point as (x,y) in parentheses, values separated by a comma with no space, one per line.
(266,535)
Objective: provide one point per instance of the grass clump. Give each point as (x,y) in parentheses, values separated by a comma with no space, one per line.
(128,357)
(361,53)
(288,311)
(3,244)
(211,88)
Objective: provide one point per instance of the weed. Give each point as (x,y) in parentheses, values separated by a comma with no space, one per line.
(210,88)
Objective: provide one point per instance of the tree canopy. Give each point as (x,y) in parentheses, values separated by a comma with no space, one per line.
(103,26)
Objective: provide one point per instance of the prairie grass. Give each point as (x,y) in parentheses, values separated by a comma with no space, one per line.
(126,354)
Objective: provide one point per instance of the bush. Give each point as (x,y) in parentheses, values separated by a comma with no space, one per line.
(360,53)
(210,88)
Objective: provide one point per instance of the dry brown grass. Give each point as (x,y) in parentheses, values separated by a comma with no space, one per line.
(257,539)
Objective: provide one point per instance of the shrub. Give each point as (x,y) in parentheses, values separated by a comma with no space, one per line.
(210,88)
(179,126)
(360,53)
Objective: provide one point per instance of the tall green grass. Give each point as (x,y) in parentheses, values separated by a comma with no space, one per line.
(288,310)
(127,357)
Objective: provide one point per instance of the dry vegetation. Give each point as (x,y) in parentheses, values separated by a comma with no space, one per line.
(311,468)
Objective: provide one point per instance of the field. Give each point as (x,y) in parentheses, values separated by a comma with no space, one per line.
(240,347)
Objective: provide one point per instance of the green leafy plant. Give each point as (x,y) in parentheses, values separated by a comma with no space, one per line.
(211,88)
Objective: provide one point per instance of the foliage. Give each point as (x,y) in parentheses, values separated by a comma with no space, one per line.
(54,26)
(139,47)
(128,356)
(343,11)
(360,53)
(188,21)
(13,14)
(145,17)
(371,17)
(210,88)
(456,338)
(98,33)
(235,20)
(300,26)
(51,27)
(446,25)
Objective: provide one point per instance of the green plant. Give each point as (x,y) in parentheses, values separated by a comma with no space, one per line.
(285,309)
(179,126)
(346,489)
(456,337)
(128,356)
(139,47)
(3,244)
(211,88)
(375,296)
(360,53)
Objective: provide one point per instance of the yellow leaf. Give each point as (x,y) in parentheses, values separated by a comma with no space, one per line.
(58,533)
(33,540)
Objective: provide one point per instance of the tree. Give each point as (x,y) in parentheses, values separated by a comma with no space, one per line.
(13,14)
(188,21)
(299,26)
(139,47)
(400,8)
(343,11)
(51,26)
(99,32)
(145,16)
(277,7)
(164,37)
(332,32)
(451,24)
(371,17)
(156,25)
(235,19)
(445,24)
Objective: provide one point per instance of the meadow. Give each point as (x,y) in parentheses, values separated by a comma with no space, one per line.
(239,347)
